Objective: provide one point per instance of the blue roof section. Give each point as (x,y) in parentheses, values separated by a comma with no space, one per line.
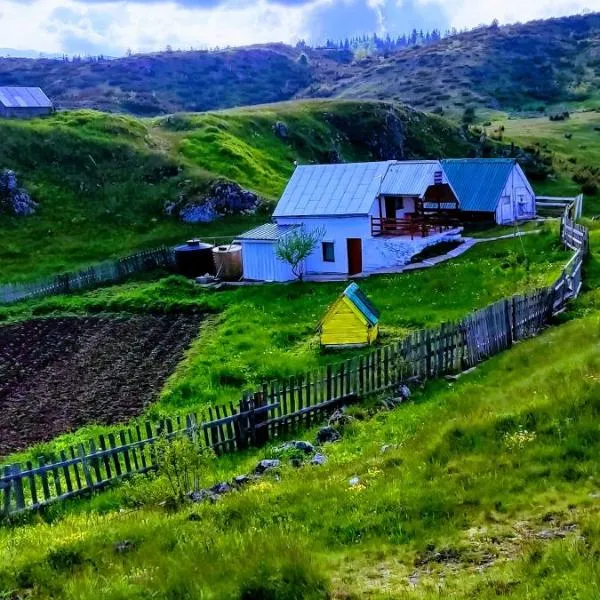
(326,190)
(478,182)
(355,294)
(24,97)
(269,232)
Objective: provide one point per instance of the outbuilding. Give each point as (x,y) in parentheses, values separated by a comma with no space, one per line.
(259,258)
(350,321)
(24,103)
(491,189)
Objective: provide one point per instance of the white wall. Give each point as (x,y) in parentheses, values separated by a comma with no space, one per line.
(522,199)
(261,264)
(337,230)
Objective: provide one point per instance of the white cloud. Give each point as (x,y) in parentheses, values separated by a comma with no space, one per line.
(112,27)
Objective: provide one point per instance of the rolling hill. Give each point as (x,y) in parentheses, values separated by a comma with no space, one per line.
(102,181)
(516,67)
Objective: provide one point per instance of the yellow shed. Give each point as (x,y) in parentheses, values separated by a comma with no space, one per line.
(351,321)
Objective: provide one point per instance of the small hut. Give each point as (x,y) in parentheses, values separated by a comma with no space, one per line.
(351,321)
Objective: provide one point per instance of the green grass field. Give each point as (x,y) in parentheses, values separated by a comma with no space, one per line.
(488,488)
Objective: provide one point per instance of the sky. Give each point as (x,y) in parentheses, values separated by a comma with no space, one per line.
(114,27)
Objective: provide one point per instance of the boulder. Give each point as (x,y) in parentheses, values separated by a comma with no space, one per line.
(266,465)
(318,459)
(220,488)
(354,481)
(301,446)
(241,480)
(13,199)
(327,434)
(339,419)
(222,198)
(280,129)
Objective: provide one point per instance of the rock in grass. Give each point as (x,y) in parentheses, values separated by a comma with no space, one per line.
(318,459)
(241,480)
(354,481)
(327,434)
(301,446)
(340,419)
(266,465)
(124,547)
(220,488)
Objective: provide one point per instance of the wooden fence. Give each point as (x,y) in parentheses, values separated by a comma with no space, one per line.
(280,407)
(106,272)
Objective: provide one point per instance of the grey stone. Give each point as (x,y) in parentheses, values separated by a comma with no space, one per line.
(14,200)
(124,547)
(241,480)
(266,465)
(300,445)
(280,129)
(354,481)
(223,198)
(220,488)
(318,459)
(340,419)
(404,391)
(327,434)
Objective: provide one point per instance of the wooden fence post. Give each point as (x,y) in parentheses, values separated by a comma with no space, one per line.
(261,431)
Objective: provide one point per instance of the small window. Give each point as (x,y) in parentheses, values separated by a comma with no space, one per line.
(328,252)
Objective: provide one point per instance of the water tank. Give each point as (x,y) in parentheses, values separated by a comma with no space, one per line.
(228,261)
(194,258)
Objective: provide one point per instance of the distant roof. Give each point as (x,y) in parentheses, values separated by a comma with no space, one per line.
(267,232)
(478,182)
(24,97)
(340,189)
(411,177)
(355,294)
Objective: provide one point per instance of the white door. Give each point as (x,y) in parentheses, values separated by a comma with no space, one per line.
(523,203)
(506,209)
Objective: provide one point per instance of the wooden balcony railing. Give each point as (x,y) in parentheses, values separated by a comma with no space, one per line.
(413,225)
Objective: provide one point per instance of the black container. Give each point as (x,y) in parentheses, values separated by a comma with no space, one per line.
(195,258)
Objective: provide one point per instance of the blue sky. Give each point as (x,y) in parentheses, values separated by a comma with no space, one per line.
(112,27)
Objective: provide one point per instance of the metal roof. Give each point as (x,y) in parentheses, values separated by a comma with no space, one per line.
(355,294)
(24,97)
(478,182)
(340,189)
(267,232)
(410,178)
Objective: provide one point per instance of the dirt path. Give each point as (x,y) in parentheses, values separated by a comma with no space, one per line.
(61,373)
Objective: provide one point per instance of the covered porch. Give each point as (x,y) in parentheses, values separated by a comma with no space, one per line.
(437,211)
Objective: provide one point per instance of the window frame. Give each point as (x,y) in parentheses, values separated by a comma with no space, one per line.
(324,253)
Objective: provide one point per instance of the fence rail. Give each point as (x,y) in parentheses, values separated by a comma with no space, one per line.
(280,407)
(107,272)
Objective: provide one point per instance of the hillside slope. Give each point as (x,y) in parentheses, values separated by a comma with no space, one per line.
(482,488)
(102,181)
(514,67)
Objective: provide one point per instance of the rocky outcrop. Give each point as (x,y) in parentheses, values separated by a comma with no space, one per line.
(13,199)
(223,198)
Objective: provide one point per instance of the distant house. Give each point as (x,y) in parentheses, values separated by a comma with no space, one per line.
(489,189)
(24,102)
(378,215)
(351,321)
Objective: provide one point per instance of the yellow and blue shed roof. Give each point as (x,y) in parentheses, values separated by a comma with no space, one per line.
(362,303)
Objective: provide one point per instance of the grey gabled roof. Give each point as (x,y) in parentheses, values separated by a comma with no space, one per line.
(24,97)
(267,232)
(327,190)
(410,177)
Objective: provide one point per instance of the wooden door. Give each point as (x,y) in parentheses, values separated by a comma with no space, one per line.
(354,256)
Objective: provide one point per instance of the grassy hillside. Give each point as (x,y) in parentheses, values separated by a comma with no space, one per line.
(572,145)
(516,67)
(488,488)
(102,181)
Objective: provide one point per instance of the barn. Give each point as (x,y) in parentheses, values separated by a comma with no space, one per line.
(24,103)
(350,321)
(490,189)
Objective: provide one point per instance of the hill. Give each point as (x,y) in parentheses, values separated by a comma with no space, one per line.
(515,67)
(102,181)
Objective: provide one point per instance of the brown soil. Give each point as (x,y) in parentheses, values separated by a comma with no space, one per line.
(61,373)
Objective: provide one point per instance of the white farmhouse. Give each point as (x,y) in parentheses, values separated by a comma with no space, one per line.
(378,215)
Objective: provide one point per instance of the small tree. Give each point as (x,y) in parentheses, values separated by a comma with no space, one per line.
(297,246)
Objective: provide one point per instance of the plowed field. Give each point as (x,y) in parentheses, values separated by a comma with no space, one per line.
(61,373)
